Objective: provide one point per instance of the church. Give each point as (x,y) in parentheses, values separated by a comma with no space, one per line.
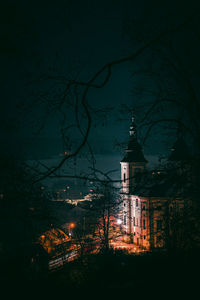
(153,204)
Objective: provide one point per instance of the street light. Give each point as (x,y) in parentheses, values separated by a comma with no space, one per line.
(72,225)
(119,221)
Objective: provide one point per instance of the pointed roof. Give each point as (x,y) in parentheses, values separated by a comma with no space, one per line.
(133,151)
(180,151)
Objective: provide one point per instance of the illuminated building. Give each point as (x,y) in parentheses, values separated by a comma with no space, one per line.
(152,206)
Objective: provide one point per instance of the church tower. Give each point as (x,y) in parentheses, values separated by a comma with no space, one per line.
(132,165)
(133,162)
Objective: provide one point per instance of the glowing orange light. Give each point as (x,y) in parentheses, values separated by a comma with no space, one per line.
(72,225)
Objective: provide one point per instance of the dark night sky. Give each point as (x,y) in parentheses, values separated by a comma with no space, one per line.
(71,37)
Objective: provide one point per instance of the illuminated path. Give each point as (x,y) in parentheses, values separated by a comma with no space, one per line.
(57,263)
(131,248)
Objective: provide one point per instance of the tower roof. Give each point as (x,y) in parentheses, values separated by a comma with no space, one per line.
(133,151)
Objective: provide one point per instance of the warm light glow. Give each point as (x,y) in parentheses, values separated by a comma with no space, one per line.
(72,225)
(119,222)
(52,238)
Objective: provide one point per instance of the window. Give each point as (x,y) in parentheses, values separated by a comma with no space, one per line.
(124,219)
(144,237)
(124,177)
(137,221)
(136,202)
(144,207)
(144,224)
(124,204)
(134,221)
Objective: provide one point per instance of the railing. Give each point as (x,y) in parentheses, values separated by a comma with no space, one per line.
(59,262)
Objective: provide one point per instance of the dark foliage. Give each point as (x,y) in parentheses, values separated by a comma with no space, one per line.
(117,270)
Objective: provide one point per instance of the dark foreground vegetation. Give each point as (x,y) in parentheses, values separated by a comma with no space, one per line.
(112,270)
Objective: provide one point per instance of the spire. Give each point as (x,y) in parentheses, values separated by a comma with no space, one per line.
(133,130)
(133,151)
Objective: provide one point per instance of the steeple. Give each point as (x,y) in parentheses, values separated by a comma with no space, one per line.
(133,150)
(132,166)
(133,131)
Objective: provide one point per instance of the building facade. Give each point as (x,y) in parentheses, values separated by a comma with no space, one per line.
(148,214)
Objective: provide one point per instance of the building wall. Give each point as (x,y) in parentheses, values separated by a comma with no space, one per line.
(135,225)
(148,222)
(128,172)
(139,221)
